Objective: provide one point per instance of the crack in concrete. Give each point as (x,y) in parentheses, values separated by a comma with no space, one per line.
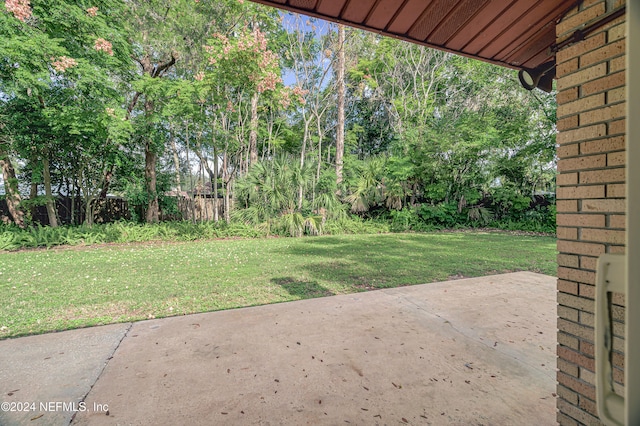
(124,336)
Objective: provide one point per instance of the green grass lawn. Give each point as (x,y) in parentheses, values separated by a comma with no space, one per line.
(47,290)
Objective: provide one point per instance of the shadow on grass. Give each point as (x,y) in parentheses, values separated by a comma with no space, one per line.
(373,262)
(301,288)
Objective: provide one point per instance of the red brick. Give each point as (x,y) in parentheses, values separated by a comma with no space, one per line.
(573,247)
(568,368)
(577,275)
(591,220)
(568,314)
(567,234)
(571,150)
(618,299)
(616,250)
(603,206)
(603,84)
(603,145)
(581,192)
(567,205)
(603,114)
(576,358)
(616,158)
(588,263)
(580,18)
(568,340)
(582,332)
(587,348)
(582,417)
(567,123)
(563,419)
(617,221)
(605,52)
(581,105)
(582,134)
(602,176)
(586,290)
(577,385)
(584,76)
(587,318)
(616,32)
(603,236)
(568,259)
(576,302)
(617,127)
(567,68)
(567,179)
(577,49)
(567,95)
(618,360)
(617,64)
(616,190)
(582,163)
(568,287)
(616,95)
(564,392)
(588,405)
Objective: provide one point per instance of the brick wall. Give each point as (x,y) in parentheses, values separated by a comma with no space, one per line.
(591,186)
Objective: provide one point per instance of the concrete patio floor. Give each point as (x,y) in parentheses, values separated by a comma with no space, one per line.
(477,351)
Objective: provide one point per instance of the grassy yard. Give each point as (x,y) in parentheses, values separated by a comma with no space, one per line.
(48,290)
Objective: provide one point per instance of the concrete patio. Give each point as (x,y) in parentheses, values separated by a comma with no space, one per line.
(477,351)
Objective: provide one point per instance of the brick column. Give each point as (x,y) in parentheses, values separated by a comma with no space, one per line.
(590,196)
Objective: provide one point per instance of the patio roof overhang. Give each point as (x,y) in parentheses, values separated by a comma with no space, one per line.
(517,34)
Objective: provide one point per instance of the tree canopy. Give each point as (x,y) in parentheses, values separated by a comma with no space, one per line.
(284,120)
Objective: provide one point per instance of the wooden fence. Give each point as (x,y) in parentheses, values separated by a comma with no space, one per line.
(199,208)
(73,211)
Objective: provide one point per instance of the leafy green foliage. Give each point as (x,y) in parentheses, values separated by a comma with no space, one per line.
(102,91)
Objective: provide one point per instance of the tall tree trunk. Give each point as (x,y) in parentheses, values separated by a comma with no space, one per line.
(100,201)
(11,187)
(214,183)
(320,137)
(253,130)
(51,203)
(340,128)
(150,160)
(154,71)
(302,155)
(213,178)
(226,179)
(176,161)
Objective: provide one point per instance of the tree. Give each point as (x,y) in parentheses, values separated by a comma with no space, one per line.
(341,89)
(59,60)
